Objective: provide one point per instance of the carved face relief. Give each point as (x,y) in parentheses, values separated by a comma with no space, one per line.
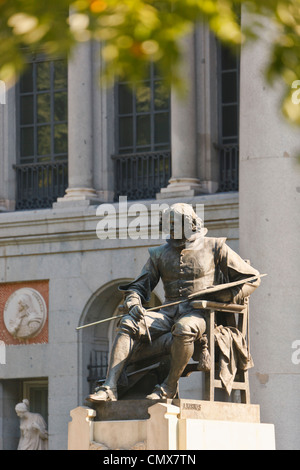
(25,313)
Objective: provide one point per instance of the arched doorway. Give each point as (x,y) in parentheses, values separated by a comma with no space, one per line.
(95,342)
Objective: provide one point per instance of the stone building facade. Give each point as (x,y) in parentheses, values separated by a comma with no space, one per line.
(68,146)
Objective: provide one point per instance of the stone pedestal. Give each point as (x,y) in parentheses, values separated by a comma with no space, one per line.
(169,425)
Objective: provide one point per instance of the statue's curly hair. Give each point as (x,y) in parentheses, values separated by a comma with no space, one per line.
(193,222)
(23,406)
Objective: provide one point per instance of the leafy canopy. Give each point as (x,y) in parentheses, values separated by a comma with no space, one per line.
(135,32)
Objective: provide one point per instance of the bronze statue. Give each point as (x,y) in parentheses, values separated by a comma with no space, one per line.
(185,265)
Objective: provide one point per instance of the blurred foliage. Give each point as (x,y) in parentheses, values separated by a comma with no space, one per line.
(136,32)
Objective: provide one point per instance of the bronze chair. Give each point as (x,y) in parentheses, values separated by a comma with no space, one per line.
(233,315)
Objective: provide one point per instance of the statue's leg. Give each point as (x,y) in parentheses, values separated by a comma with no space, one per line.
(181,352)
(121,350)
(185,332)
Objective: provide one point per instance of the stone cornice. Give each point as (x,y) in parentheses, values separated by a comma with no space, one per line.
(74,228)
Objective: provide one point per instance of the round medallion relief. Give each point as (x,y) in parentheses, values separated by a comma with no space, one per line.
(25,313)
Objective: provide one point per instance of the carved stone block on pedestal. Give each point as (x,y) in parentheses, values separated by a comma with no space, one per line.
(169,425)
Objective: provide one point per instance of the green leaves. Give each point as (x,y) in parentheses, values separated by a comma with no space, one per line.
(28,27)
(134,33)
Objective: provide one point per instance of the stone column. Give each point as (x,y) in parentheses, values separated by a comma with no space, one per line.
(269,237)
(8,150)
(184,181)
(208,109)
(80,123)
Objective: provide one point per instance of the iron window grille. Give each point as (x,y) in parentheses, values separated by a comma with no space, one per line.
(97,368)
(42,165)
(141,175)
(40,184)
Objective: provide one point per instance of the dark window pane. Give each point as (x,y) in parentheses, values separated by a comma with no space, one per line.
(143,98)
(156,71)
(229,121)
(125,132)
(162,128)
(125,100)
(26,109)
(61,138)
(229,59)
(27,142)
(161,96)
(26,81)
(43,76)
(229,87)
(139,131)
(162,146)
(143,130)
(44,159)
(44,140)
(43,107)
(60,106)
(24,160)
(144,148)
(60,74)
(60,157)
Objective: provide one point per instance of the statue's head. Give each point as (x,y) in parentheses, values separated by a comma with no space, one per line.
(22,408)
(24,302)
(182,221)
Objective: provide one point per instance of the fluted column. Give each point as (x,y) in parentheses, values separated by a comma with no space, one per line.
(184,180)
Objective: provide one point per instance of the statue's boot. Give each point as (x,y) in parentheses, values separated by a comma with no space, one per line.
(103,393)
(181,352)
(121,350)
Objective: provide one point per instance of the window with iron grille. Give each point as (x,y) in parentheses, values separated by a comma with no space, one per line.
(43,134)
(143,159)
(229,74)
(97,368)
